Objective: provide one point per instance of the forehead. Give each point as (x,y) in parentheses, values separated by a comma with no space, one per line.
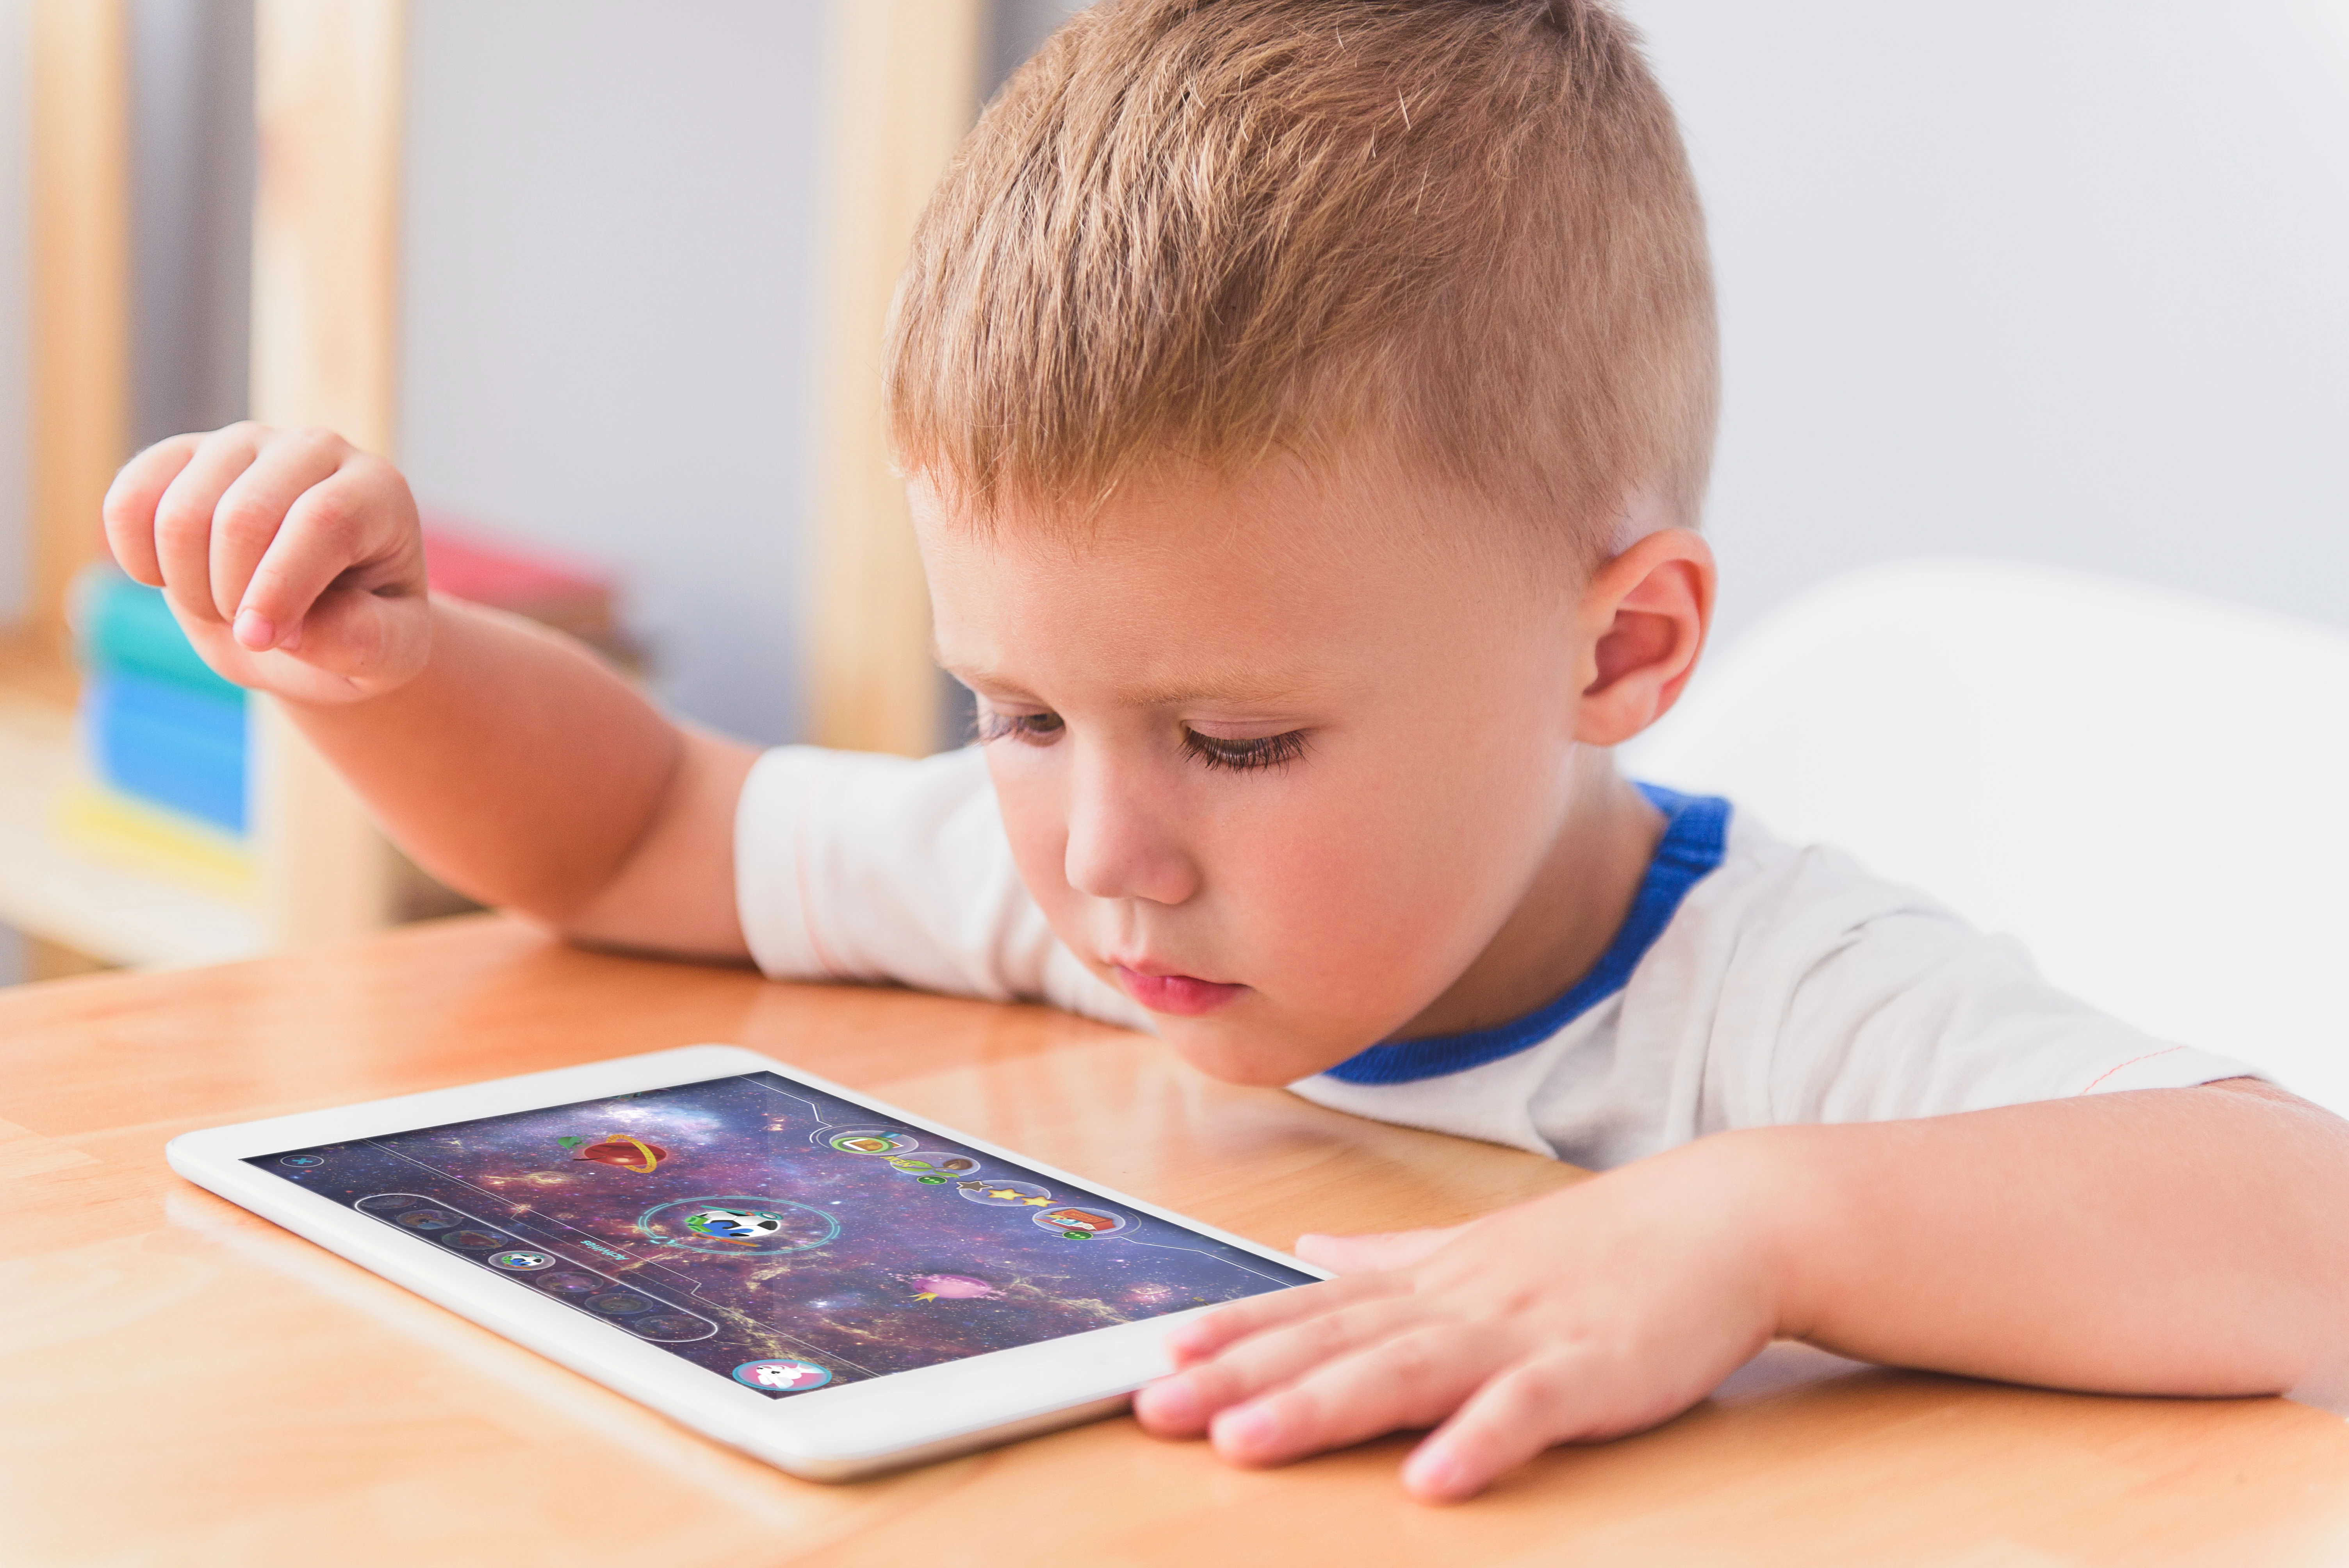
(1255,587)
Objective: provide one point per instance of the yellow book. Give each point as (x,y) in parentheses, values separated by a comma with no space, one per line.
(112,826)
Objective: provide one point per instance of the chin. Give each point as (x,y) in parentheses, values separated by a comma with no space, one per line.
(1244,1055)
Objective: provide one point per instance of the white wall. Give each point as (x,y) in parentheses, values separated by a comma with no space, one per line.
(609,309)
(2059,279)
(190,215)
(1017,29)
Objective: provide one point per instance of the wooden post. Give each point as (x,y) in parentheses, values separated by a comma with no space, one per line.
(328,89)
(904,81)
(80,290)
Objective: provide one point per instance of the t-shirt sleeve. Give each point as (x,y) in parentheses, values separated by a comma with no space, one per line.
(854,866)
(1913,1013)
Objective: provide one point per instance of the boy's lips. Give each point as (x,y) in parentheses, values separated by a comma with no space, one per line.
(1182,996)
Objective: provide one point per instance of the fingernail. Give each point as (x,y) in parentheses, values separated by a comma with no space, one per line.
(1249,1427)
(254,630)
(1431,1473)
(1173,1403)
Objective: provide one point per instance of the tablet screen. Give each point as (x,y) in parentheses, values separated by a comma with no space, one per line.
(775,1234)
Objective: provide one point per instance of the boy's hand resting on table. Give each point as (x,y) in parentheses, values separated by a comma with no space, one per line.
(1595,1311)
(294,560)
(2182,1241)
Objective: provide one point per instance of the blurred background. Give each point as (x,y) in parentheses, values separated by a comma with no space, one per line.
(2054,280)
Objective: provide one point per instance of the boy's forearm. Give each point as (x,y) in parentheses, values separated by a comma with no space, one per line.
(515,766)
(2171,1241)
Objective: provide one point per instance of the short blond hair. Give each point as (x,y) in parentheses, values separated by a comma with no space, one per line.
(1462,232)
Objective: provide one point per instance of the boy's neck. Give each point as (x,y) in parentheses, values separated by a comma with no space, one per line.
(1570,911)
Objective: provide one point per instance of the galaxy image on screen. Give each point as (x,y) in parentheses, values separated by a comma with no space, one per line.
(775,1234)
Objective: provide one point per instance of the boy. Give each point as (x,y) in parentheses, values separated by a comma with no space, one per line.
(1306,406)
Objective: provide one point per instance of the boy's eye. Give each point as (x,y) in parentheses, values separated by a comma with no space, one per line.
(1215,751)
(1035,729)
(1265,751)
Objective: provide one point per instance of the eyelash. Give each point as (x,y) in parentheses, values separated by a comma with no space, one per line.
(1246,756)
(1035,729)
(1237,755)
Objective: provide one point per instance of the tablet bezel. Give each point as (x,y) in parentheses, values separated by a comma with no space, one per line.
(834,1433)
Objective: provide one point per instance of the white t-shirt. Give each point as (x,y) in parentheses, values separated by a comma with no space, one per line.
(1754,982)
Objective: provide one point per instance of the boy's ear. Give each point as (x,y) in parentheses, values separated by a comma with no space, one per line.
(1646,614)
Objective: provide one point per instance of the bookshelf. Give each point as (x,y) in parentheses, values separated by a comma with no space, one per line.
(905,87)
(80,287)
(79,374)
(328,76)
(328,102)
(330,92)
(52,890)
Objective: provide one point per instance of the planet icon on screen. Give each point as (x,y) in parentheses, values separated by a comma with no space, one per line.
(872,1141)
(938,1165)
(620,1151)
(1080,1223)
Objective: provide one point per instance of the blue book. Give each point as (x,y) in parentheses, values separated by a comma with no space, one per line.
(125,625)
(172,743)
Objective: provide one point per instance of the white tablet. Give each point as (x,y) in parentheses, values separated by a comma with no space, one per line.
(823,1281)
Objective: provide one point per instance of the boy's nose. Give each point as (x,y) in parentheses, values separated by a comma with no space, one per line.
(1122,840)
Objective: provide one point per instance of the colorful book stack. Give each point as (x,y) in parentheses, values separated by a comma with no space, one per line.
(166,743)
(167,740)
(161,726)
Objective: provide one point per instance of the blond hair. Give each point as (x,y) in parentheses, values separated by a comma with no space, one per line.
(1462,232)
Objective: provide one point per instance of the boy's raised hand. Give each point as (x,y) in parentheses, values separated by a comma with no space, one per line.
(293,560)
(1594,1312)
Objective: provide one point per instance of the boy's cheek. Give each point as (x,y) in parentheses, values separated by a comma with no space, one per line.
(1344,915)
(1329,969)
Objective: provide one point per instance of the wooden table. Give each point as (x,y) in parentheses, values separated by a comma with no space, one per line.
(184,1383)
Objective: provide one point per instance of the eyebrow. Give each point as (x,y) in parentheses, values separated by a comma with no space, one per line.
(1236,686)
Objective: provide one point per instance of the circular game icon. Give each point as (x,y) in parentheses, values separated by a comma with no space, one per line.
(522,1261)
(426,1220)
(300,1161)
(383,1204)
(472,1241)
(782,1375)
(734,1224)
(619,1303)
(1080,1221)
(934,1168)
(872,1141)
(1004,1194)
(571,1283)
(737,1226)
(670,1326)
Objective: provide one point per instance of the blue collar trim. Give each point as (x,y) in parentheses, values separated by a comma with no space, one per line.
(1696,835)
